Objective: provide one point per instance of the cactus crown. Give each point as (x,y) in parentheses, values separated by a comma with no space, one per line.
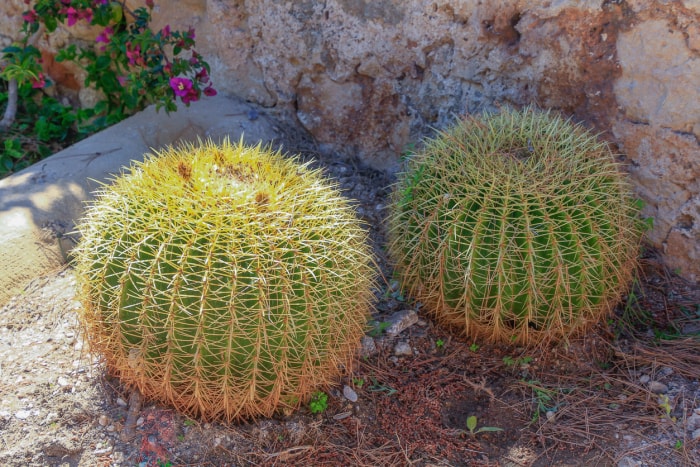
(227,280)
(517,227)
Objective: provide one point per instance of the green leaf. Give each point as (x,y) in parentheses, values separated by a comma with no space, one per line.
(51,23)
(471,423)
(489,428)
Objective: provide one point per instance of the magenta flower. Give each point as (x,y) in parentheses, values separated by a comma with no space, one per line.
(181,87)
(86,14)
(165,32)
(100,2)
(202,76)
(30,16)
(72,15)
(122,80)
(133,54)
(105,35)
(191,96)
(190,33)
(39,82)
(209,91)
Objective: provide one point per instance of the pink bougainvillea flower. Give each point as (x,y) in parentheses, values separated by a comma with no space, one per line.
(150,4)
(122,80)
(165,32)
(133,54)
(191,96)
(202,76)
(209,91)
(181,86)
(105,35)
(30,16)
(39,82)
(100,2)
(72,15)
(86,14)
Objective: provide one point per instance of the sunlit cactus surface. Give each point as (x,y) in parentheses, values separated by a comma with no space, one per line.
(226,280)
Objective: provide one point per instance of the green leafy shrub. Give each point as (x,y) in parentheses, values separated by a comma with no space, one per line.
(516,227)
(129,65)
(227,280)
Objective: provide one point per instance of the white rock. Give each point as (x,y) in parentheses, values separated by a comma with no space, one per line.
(103,420)
(644,379)
(349,394)
(400,321)
(23,414)
(403,349)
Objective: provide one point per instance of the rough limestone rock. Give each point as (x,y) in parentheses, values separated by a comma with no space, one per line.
(368,77)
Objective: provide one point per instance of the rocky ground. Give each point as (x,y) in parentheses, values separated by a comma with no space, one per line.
(627,395)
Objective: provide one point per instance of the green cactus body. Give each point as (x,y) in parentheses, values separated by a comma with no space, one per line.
(226,280)
(517,227)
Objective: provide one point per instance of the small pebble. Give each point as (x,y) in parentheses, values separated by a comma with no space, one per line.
(644,379)
(121,402)
(349,393)
(111,428)
(341,415)
(369,347)
(657,387)
(400,321)
(22,414)
(63,381)
(139,421)
(403,349)
(550,415)
(696,434)
(103,420)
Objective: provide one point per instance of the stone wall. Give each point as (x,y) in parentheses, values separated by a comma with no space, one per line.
(366,77)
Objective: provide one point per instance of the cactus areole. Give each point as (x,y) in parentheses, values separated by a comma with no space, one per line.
(228,281)
(515,227)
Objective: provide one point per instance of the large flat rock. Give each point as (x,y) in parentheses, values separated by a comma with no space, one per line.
(40,205)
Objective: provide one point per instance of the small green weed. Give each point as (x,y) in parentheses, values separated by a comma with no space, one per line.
(319,402)
(439,343)
(512,362)
(358,382)
(473,430)
(543,398)
(380,387)
(474,347)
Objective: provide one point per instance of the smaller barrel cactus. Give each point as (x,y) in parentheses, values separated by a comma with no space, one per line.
(516,227)
(226,280)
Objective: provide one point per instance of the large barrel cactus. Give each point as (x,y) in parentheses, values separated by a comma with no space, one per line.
(515,227)
(226,280)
